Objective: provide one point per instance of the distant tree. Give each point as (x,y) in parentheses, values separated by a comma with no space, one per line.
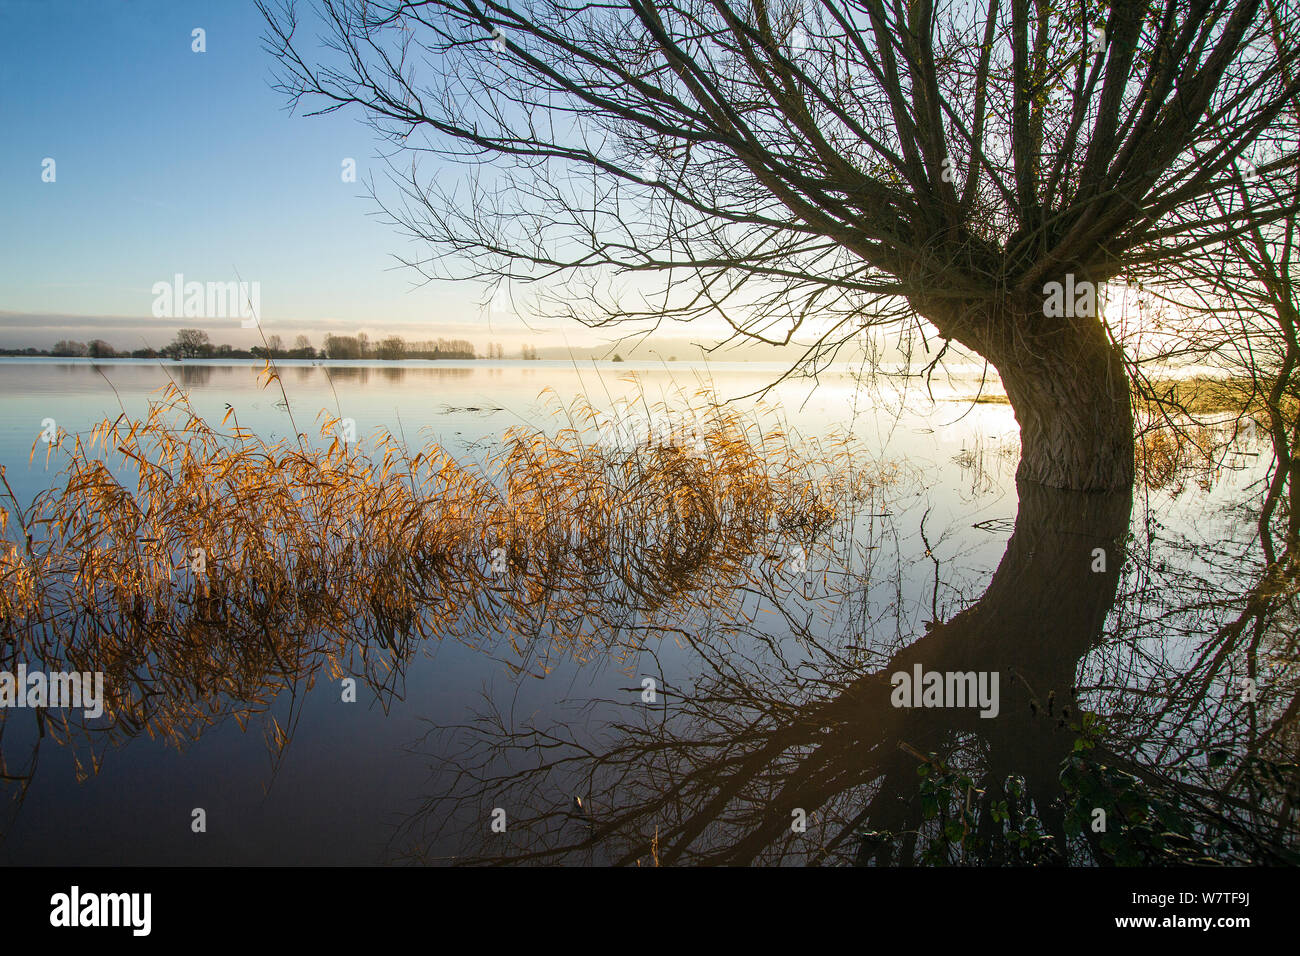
(98,348)
(617,357)
(190,343)
(276,345)
(342,347)
(392,348)
(302,348)
(69,347)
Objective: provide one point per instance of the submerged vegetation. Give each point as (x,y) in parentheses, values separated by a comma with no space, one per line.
(205,570)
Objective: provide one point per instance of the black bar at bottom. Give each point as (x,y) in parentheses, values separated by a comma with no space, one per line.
(305,905)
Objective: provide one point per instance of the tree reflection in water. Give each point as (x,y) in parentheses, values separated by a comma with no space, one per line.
(1119,694)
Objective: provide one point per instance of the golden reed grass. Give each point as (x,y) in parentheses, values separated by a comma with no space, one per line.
(204,570)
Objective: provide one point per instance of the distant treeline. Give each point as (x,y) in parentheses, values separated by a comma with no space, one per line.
(395,347)
(194,343)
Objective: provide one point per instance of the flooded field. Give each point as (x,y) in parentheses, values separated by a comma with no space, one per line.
(653,615)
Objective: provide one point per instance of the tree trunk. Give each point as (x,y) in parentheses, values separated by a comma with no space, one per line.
(1068,389)
(1076,420)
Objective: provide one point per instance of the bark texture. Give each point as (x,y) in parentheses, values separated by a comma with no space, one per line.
(1067,386)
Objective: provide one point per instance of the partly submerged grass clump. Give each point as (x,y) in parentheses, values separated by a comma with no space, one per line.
(204,569)
(1166,457)
(1209,395)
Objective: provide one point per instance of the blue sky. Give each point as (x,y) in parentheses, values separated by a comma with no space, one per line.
(171,161)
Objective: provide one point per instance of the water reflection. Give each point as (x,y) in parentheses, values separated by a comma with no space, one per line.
(731,765)
(361,374)
(192,374)
(219,575)
(773,737)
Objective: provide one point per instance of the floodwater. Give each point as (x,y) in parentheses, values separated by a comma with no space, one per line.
(1117,659)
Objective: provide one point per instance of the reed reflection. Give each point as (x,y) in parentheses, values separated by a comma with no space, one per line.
(210,575)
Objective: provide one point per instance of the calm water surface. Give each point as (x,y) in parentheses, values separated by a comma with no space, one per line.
(936,579)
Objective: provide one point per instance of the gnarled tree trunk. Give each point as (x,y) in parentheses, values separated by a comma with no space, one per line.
(1067,385)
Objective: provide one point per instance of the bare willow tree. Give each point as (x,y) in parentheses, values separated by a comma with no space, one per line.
(972,169)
